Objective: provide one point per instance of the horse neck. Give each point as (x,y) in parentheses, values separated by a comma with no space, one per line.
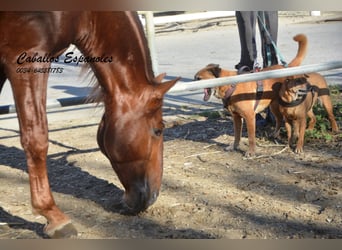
(118,35)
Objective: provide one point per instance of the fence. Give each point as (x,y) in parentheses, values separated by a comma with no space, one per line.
(195,85)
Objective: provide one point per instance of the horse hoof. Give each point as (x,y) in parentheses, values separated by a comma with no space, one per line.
(66,230)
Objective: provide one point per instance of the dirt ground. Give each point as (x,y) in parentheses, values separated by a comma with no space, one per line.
(207,192)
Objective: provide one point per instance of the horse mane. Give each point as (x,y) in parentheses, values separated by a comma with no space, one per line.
(97,94)
(137,26)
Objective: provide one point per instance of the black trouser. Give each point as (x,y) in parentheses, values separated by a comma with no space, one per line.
(246,22)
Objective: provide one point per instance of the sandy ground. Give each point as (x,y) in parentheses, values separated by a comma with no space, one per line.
(206,191)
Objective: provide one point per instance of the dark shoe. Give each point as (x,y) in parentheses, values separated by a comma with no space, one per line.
(240,65)
(270,117)
(260,121)
(243,69)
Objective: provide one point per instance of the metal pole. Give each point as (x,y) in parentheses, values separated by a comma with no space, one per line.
(315,13)
(151,40)
(195,85)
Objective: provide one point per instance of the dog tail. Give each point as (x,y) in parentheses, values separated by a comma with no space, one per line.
(301,52)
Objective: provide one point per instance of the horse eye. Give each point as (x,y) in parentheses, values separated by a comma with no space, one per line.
(157,132)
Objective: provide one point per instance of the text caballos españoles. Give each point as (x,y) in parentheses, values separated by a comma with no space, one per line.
(69,58)
(24,58)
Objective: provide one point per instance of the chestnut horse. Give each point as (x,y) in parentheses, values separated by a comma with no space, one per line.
(130,132)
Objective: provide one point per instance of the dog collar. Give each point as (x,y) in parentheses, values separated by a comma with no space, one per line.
(302,94)
(228,94)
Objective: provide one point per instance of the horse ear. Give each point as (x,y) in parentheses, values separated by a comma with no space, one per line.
(166,86)
(160,77)
(156,100)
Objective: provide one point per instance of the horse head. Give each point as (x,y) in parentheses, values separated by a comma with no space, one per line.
(132,139)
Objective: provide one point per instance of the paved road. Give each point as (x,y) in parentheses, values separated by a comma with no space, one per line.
(182,53)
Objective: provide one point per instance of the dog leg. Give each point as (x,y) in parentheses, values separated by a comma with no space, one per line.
(295,132)
(312,120)
(250,122)
(278,117)
(288,128)
(237,119)
(301,130)
(325,100)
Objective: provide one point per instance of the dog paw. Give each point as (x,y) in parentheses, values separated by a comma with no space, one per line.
(299,150)
(335,131)
(249,154)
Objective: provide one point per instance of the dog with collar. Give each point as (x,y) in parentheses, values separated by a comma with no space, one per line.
(245,100)
(296,99)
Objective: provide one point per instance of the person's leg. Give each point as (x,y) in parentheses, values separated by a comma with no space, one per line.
(269,55)
(246,25)
(270,19)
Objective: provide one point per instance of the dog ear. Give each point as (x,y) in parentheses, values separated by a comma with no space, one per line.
(213,65)
(215,70)
(306,76)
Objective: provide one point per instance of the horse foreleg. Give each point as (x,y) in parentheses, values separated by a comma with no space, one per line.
(100,136)
(30,97)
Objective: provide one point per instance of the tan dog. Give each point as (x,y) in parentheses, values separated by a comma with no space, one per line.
(243,100)
(297,97)
(294,114)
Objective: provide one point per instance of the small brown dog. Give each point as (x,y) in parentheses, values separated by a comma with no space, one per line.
(297,97)
(244,100)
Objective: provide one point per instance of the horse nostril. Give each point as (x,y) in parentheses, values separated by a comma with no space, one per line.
(140,199)
(153,198)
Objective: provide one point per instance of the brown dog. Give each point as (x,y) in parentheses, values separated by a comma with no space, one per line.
(245,100)
(297,97)
(292,92)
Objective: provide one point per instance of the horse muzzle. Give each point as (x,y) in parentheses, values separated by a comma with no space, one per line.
(139,198)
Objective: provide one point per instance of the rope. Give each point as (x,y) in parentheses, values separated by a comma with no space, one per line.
(281,58)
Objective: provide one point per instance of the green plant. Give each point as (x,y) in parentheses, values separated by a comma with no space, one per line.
(322,127)
(211,114)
